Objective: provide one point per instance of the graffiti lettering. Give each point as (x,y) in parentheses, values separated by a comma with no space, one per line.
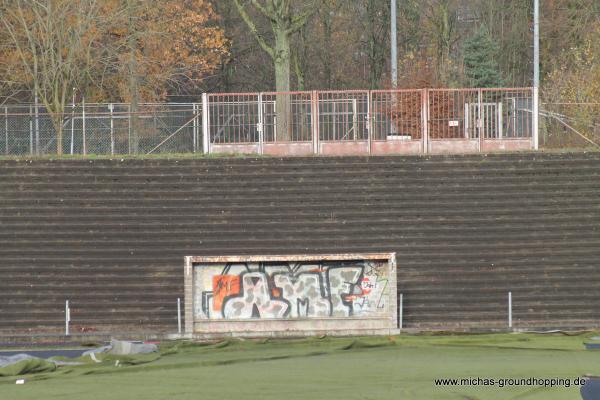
(301,290)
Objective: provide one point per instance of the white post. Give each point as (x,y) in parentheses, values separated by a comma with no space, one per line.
(500,121)
(179,315)
(194,128)
(129,129)
(480,126)
(30,131)
(369,120)
(425,119)
(111,107)
(260,125)
(73,122)
(6,129)
(37,126)
(401,312)
(83,126)
(314,111)
(67,317)
(467,117)
(205,127)
(510,322)
(536,74)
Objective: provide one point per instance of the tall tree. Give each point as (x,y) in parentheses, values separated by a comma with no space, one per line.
(285,20)
(52,43)
(158,47)
(481,67)
(373,22)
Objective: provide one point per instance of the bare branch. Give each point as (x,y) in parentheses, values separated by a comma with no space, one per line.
(248,20)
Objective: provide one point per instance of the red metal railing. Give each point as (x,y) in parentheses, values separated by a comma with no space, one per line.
(370,122)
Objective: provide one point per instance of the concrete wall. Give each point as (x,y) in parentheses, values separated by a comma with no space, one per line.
(292,294)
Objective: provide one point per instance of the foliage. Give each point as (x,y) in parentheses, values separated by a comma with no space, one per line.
(49,47)
(177,44)
(481,67)
(572,89)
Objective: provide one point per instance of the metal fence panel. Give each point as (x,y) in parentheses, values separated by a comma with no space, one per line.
(396,115)
(343,116)
(277,122)
(105,129)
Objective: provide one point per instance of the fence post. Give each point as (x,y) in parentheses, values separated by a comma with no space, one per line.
(6,130)
(401,312)
(510,321)
(205,127)
(369,119)
(67,317)
(72,126)
(480,128)
(314,104)
(112,130)
(535,125)
(260,125)
(83,126)
(37,126)
(30,130)
(179,315)
(425,120)
(194,128)
(129,128)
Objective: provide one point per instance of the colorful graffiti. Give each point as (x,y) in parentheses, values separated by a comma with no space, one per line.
(291,290)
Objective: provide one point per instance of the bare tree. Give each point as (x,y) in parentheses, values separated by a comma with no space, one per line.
(53,41)
(285,20)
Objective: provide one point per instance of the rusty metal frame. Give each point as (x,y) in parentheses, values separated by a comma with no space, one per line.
(291,257)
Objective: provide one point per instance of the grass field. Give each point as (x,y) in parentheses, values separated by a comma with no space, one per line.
(401,367)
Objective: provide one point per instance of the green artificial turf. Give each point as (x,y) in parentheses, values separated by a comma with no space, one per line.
(401,367)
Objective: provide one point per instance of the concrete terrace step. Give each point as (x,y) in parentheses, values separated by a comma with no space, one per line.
(111,235)
(484,182)
(137,240)
(465,201)
(308,172)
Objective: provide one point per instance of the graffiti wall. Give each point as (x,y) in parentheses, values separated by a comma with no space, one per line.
(291,290)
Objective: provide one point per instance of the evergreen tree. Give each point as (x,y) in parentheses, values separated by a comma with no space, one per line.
(481,67)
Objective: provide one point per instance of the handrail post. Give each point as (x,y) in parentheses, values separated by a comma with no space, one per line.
(205,127)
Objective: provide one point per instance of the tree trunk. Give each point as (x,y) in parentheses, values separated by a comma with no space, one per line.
(58,127)
(282,84)
(328,33)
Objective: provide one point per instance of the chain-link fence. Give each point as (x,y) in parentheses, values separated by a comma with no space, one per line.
(107,129)
(290,123)
(569,125)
